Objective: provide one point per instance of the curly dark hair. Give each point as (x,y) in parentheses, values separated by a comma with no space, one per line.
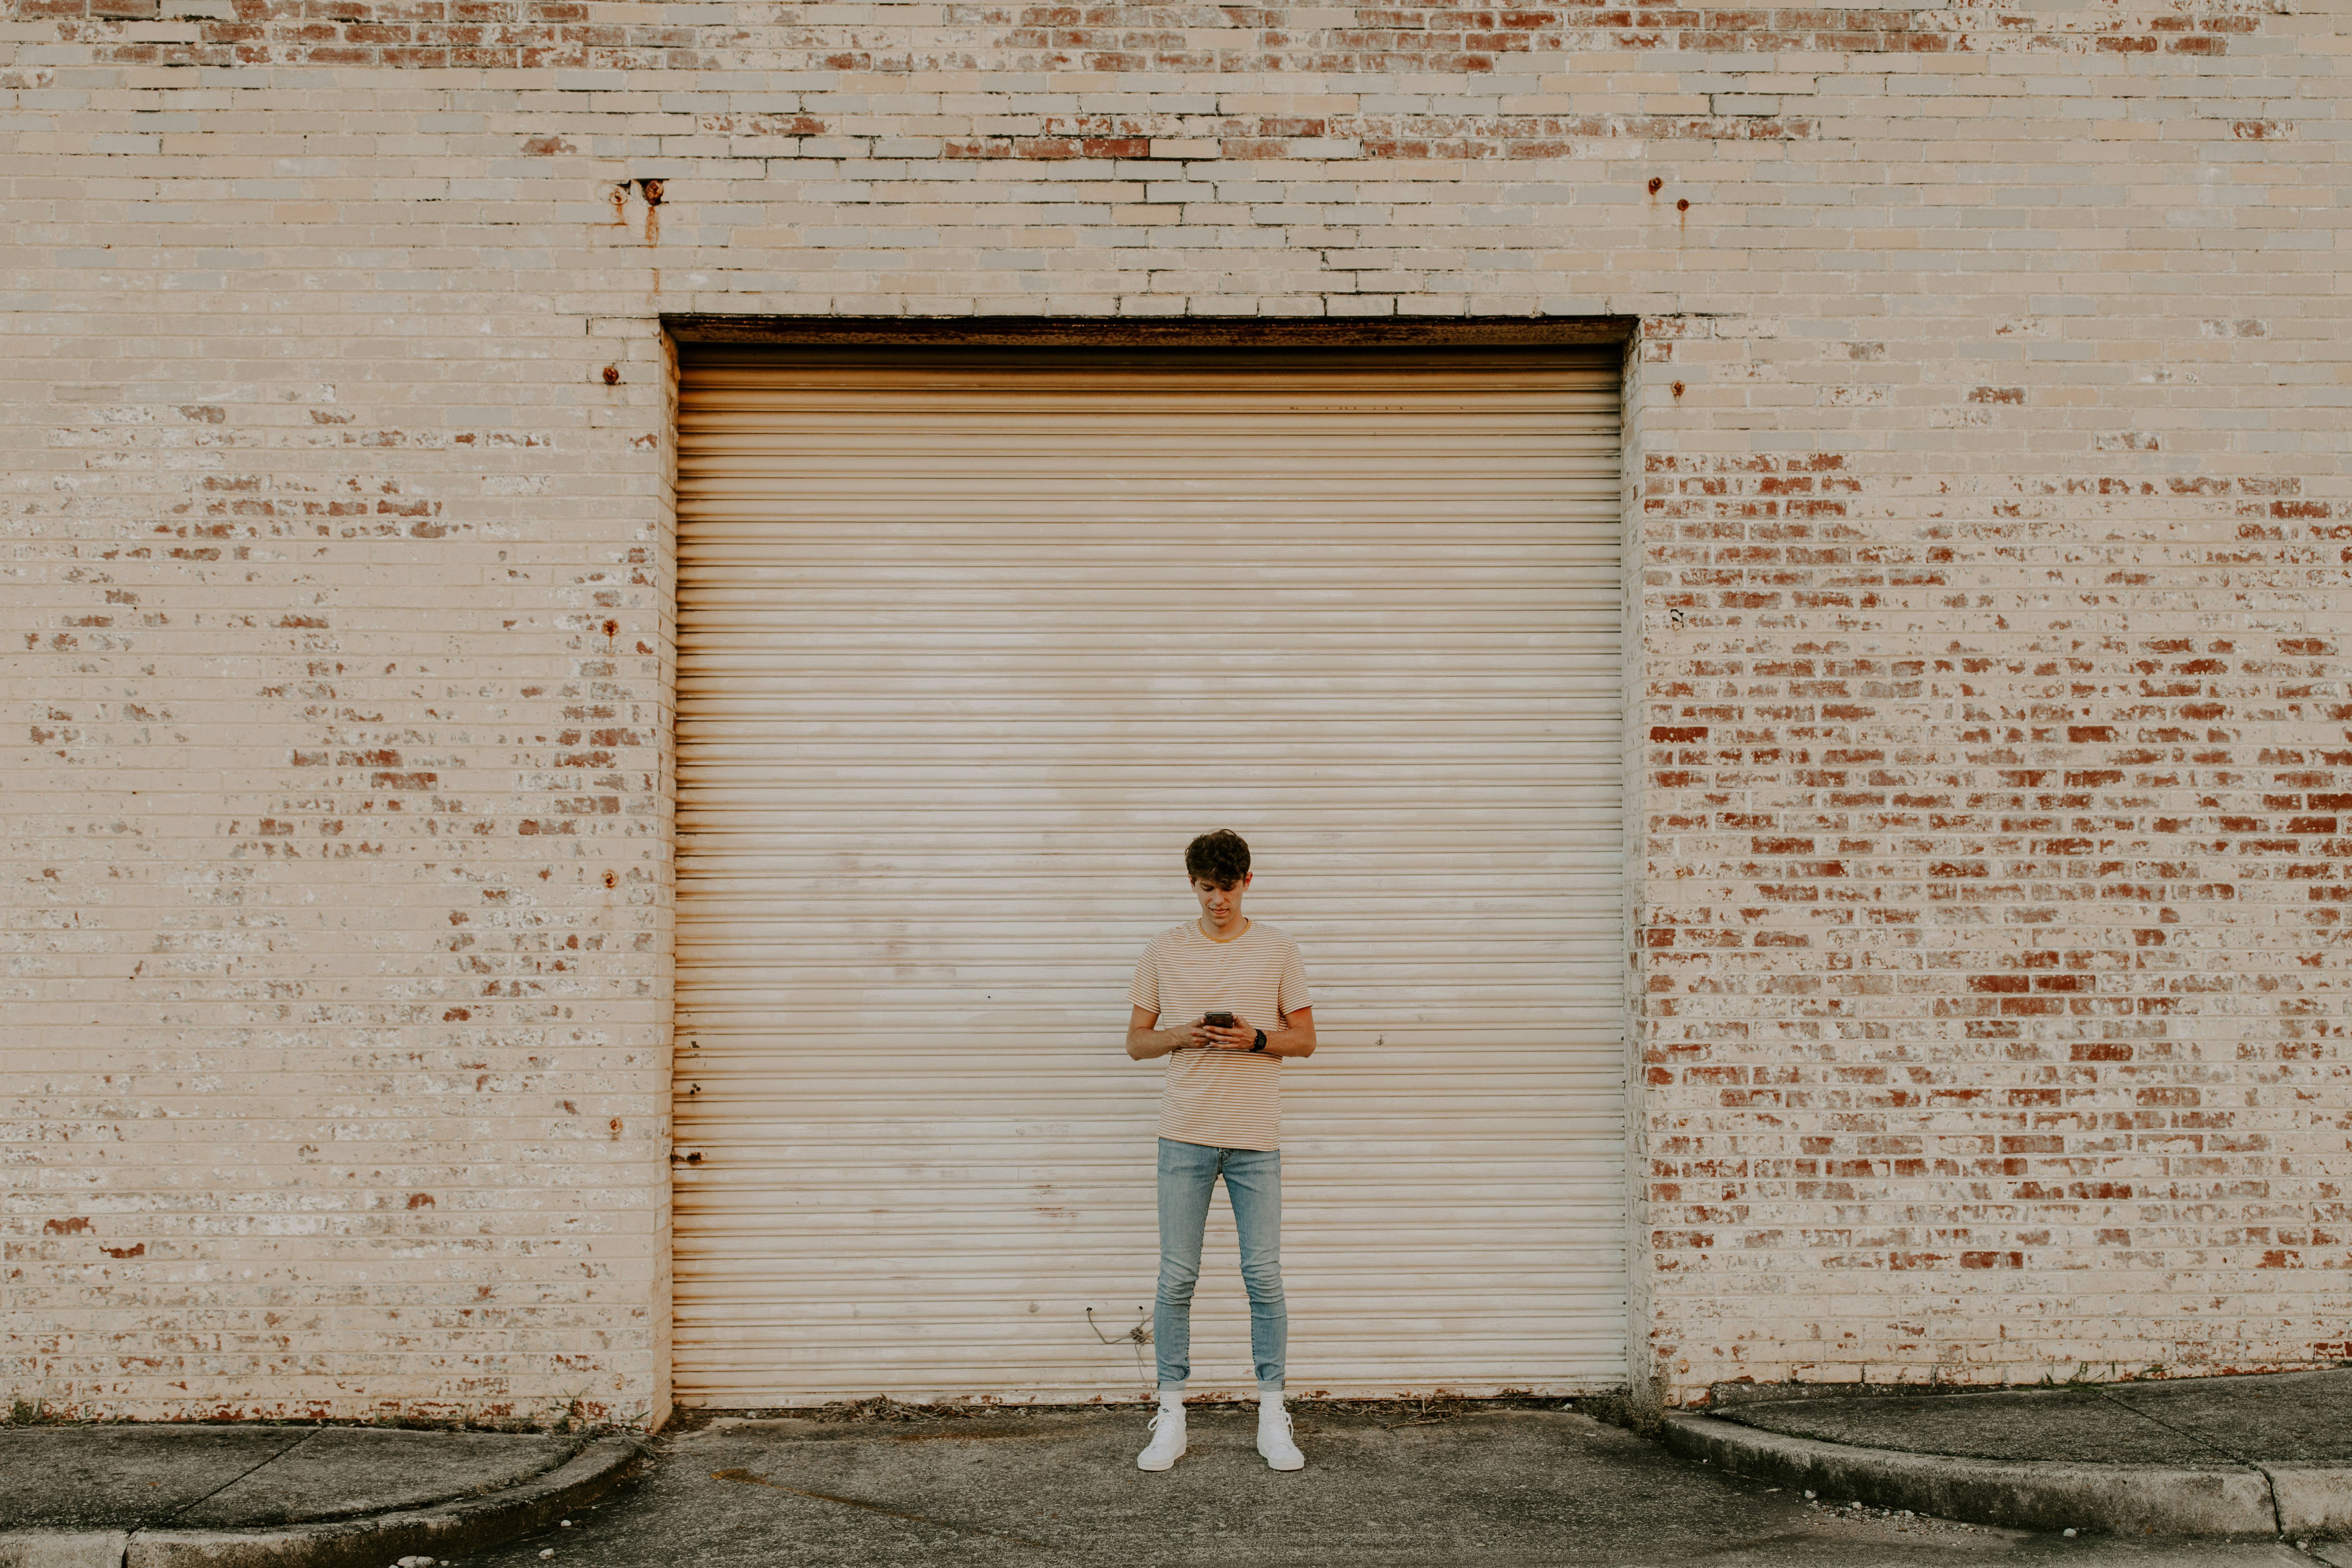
(1222,857)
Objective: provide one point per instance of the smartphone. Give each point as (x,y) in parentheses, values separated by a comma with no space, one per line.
(1218,1020)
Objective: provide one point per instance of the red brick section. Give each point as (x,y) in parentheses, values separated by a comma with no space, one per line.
(525,34)
(2007,927)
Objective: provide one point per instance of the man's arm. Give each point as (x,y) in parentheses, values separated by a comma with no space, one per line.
(1297,1036)
(1146,1039)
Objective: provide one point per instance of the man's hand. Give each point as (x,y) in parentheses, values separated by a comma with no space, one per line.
(1242,1037)
(1146,1039)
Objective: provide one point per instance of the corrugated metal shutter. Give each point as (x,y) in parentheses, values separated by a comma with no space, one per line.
(969,649)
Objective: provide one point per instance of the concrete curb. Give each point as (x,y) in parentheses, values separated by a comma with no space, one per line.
(2113,1500)
(2313,1498)
(62,1547)
(447,1530)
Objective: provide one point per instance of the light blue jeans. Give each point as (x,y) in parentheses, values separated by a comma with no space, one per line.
(1188,1175)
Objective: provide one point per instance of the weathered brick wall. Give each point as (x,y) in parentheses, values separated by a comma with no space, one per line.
(1989,492)
(337,1021)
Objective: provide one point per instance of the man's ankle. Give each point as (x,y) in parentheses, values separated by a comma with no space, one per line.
(1172,1398)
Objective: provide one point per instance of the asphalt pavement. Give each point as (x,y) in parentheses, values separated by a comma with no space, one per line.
(1495,1488)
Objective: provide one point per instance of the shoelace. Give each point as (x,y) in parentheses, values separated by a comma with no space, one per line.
(1278,1417)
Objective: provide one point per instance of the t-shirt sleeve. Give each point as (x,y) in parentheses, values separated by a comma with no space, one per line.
(1144,992)
(1290,996)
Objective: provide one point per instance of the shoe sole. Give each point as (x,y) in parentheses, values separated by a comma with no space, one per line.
(1156,1470)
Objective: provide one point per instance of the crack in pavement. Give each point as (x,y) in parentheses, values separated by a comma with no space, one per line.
(264,1464)
(2278,1519)
(759,1480)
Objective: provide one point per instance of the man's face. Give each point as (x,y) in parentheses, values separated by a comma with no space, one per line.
(1220,903)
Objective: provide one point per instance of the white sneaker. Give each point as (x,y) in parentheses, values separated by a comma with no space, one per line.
(1274,1440)
(1166,1444)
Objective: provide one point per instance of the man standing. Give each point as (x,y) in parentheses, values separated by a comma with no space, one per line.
(1241,991)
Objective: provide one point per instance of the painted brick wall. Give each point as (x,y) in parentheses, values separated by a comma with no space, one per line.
(1990,520)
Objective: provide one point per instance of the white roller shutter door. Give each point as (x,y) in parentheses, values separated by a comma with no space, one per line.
(969,648)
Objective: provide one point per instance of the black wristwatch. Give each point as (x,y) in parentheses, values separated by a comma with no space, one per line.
(1261,1041)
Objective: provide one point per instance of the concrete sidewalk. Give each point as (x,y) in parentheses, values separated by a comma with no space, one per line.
(172,1496)
(2255,1456)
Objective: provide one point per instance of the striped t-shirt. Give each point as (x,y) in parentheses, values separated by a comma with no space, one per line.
(1227,1100)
